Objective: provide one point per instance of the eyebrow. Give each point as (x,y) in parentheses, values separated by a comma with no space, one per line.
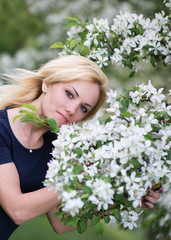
(78,95)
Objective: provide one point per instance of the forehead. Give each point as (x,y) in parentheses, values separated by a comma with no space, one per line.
(88,91)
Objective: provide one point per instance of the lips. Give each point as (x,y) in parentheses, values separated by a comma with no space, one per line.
(63,117)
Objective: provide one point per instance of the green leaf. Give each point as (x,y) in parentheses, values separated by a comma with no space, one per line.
(87,189)
(153,60)
(100,229)
(63,221)
(135,162)
(116,213)
(132,74)
(127,63)
(87,176)
(27,118)
(125,103)
(132,56)
(72,221)
(57,45)
(83,35)
(38,124)
(73,43)
(168,157)
(119,198)
(14,118)
(73,135)
(164,179)
(85,195)
(140,28)
(59,213)
(149,136)
(30,106)
(75,18)
(53,125)
(70,24)
(85,51)
(107,219)
(95,221)
(89,215)
(98,143)
(82,225)
(77,169)
(78,151)
(23,111)
(91,207)
(128,204)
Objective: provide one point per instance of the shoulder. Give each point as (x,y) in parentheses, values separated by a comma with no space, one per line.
(5,133)
(3,120)
(3,114)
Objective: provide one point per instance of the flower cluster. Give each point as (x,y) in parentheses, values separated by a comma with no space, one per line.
(129,39)
(104,167)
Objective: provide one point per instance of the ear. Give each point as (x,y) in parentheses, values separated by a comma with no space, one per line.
(44,87)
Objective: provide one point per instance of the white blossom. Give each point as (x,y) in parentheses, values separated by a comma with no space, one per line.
(73,206)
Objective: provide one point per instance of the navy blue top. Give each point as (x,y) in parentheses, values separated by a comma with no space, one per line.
(31,167)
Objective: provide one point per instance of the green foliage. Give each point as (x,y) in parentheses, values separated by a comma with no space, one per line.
(18,26)
(78,151)
(33,116)
(82,225)
(95,220)
(72,221)
(57,45)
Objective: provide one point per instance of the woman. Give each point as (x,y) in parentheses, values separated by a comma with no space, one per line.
(69,89)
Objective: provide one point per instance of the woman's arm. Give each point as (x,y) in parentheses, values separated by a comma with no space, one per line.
(23,207)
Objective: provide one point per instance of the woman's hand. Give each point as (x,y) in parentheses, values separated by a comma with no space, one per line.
(151,198)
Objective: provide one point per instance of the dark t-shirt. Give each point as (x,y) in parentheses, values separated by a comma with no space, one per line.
(31,166)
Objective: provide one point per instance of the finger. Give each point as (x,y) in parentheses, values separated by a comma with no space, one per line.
(143,205)
(161,190)
(152,193)
(148,204)
(150,199)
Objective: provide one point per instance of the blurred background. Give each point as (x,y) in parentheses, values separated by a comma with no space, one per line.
(28,29)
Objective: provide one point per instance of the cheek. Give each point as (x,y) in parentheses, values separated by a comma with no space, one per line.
(79,116)
(54,97)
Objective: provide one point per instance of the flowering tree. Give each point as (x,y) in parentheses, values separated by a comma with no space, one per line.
(128,40)
(117,157)
(103,168)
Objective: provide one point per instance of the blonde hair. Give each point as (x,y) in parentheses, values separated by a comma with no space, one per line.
(26,86)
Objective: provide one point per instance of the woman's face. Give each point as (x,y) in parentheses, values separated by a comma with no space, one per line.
(69,102)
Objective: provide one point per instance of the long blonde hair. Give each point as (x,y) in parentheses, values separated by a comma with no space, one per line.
(26,86)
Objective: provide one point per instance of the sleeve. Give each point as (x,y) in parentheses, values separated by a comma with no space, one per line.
(5,155)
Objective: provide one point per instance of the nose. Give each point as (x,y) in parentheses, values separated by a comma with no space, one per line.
(71,108)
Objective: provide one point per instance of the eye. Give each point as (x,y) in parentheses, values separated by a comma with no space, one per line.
(84,109)
(69,94)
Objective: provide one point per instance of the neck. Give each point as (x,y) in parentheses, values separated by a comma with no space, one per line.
(28,135)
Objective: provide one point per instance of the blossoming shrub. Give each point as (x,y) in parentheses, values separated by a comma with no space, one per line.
(103,168)
(129,39)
